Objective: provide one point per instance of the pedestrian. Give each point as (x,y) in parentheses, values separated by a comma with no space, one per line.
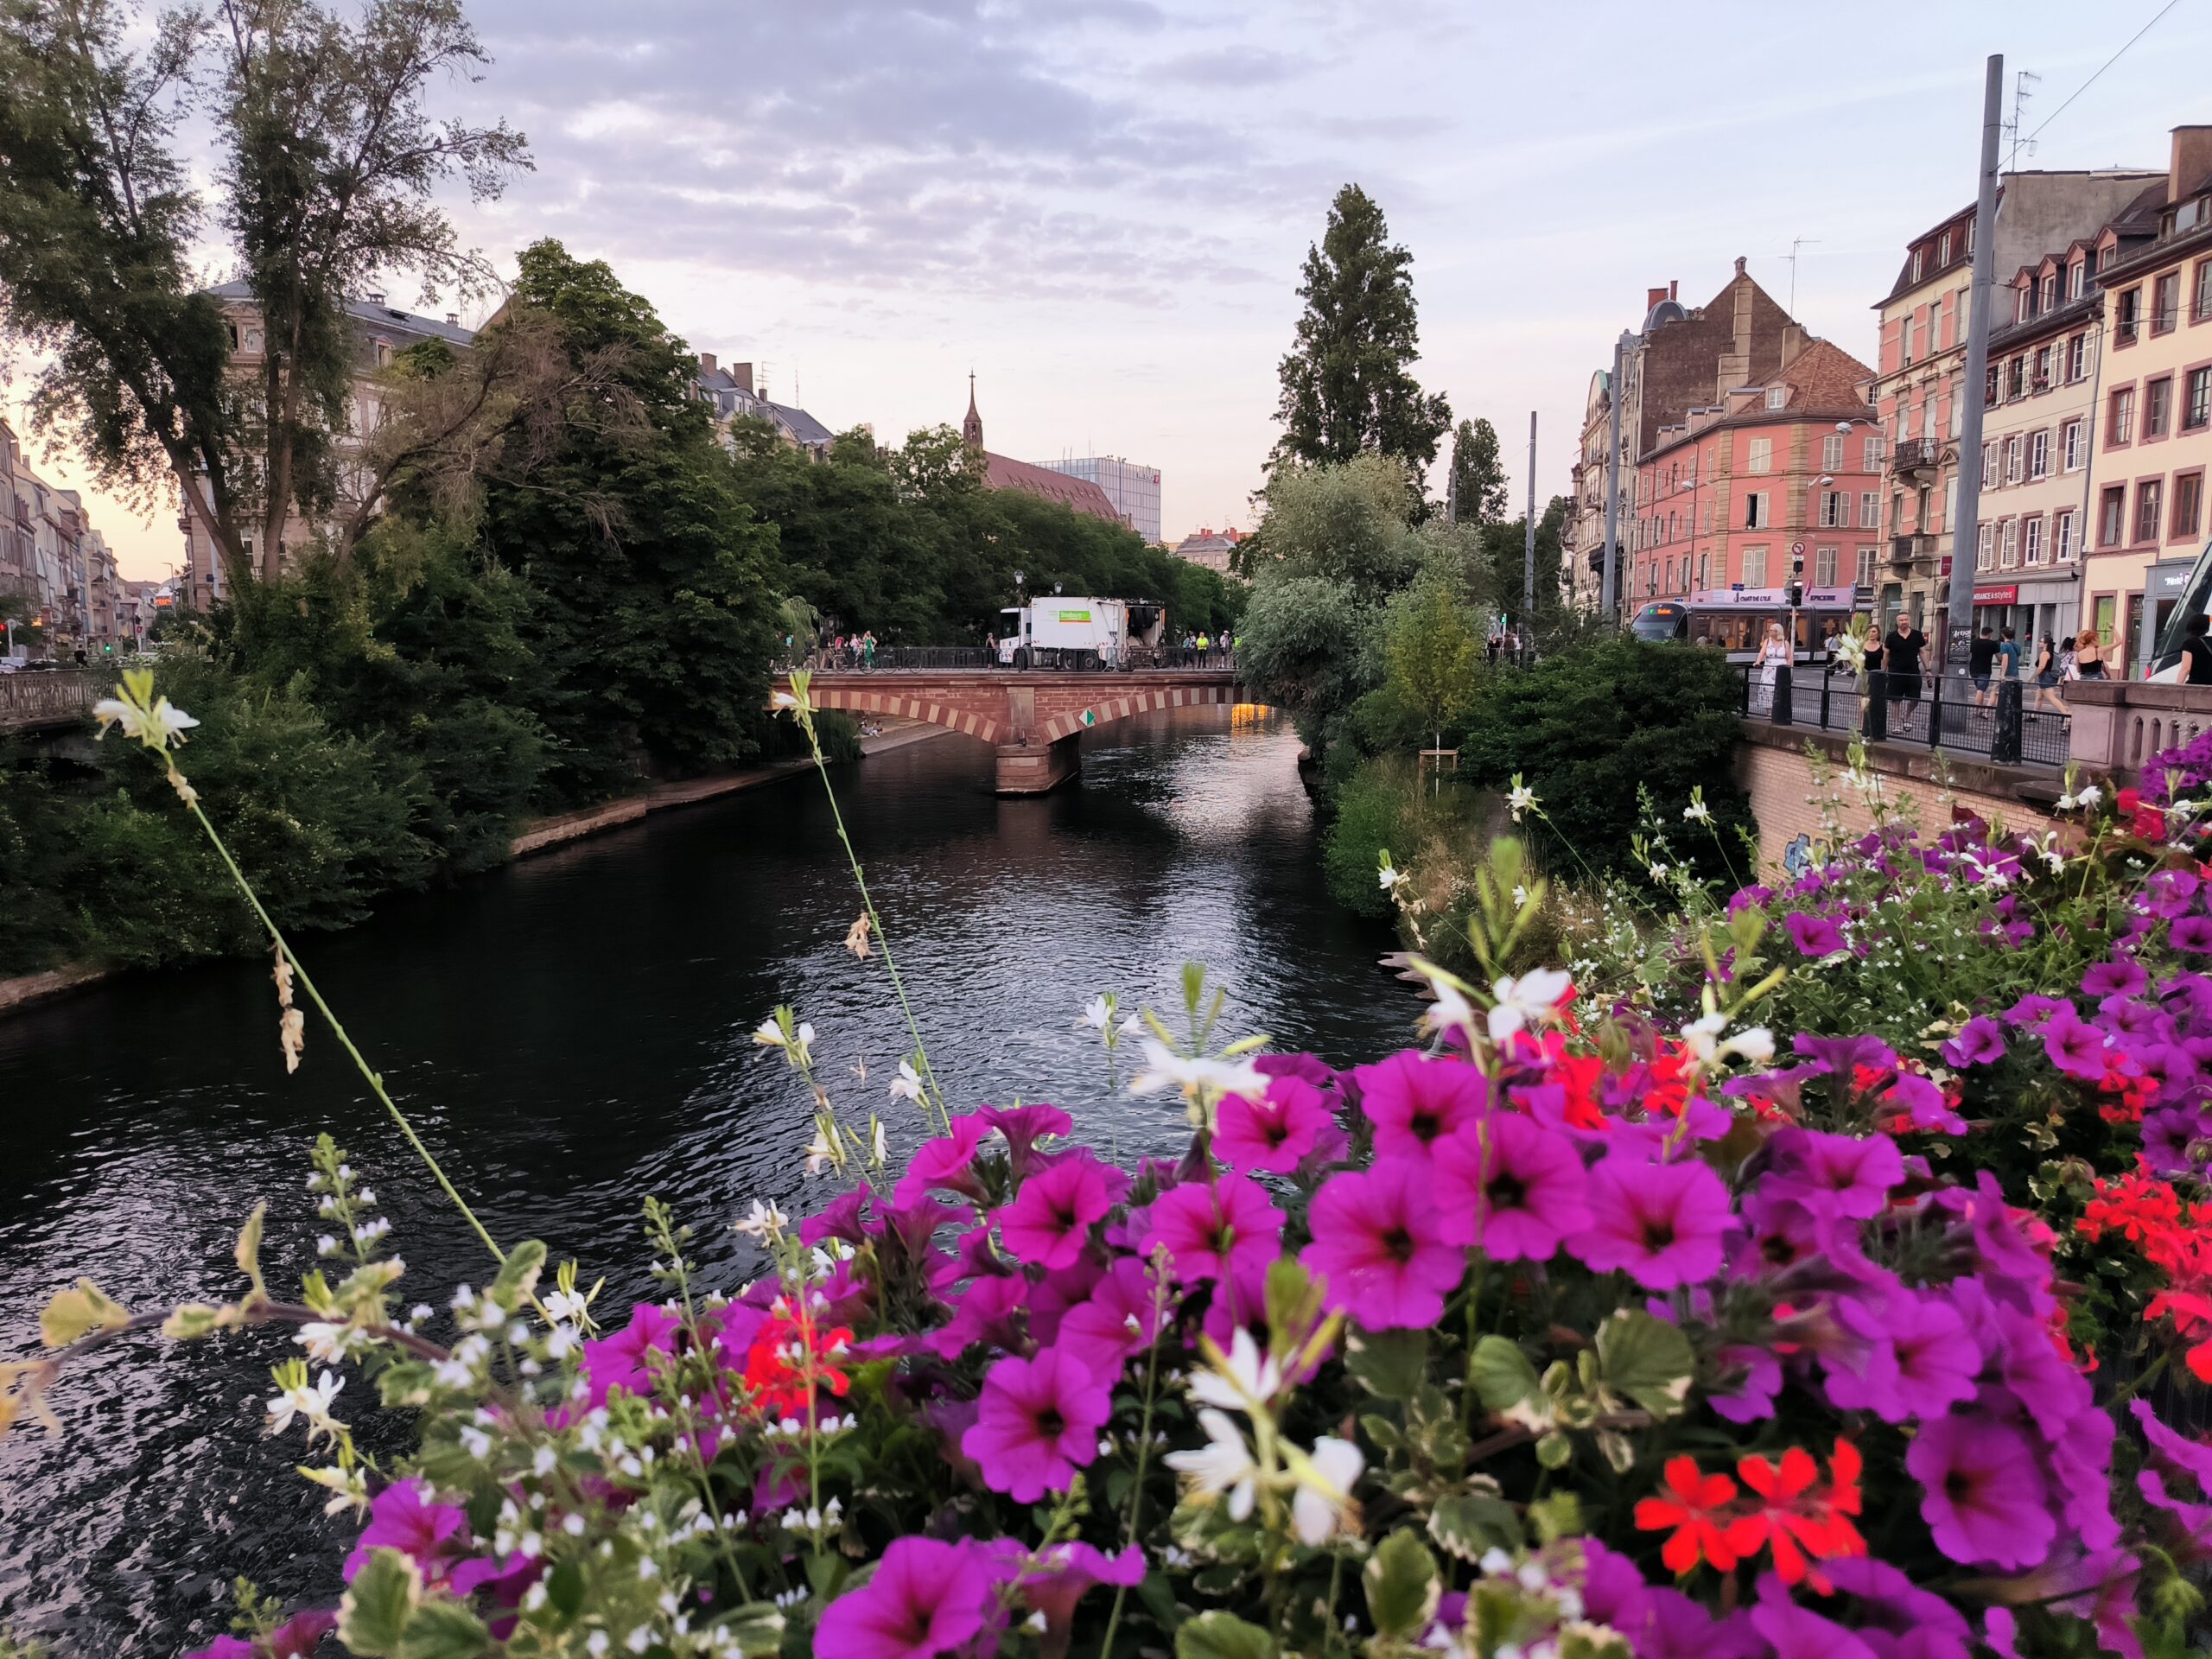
(1773,652)
(2088,657)
(1981,660)
(2008,654)
(2049,671)
(2198,651)
(868,648)
(1901,652)
(1492,645)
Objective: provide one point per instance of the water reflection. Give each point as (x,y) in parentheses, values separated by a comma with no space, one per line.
(573,1033)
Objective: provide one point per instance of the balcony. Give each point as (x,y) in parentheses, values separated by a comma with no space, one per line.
(1916,456)
(1910,550)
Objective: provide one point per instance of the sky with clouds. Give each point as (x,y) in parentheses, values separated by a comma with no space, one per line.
(1099,206)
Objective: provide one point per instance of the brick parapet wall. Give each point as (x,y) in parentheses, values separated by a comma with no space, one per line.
(1771,767)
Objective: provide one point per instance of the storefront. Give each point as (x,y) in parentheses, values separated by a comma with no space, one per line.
(2035,610)
(2150,611)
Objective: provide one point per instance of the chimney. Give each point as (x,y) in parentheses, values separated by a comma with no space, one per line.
(707,361)
(742,373)
(1652,296)
(1739,264)
(376,296)
(1794,340)
(2192,161)
(1674,289)
(452,318)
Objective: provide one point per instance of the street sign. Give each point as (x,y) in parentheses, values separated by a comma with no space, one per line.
(1797,549)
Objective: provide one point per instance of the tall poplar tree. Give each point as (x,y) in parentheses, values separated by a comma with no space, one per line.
(1477,490)
(1348,385)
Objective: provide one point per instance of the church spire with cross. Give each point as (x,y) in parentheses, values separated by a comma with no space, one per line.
(971,429)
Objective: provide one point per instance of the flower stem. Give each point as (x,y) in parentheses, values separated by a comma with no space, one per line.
(1144,1444)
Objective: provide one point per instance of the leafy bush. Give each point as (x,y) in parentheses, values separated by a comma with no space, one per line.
(1374,813)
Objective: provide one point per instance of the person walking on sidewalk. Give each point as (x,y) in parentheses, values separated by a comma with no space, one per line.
(1901,654)
(1981,660)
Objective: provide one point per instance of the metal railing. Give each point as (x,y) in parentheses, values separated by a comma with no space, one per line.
(2011,723)
(1915,455)
(43,698)
(940,659)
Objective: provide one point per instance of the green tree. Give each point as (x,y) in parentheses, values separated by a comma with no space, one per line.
(1505,544)
(1428,646)
(327,165)
(1348,383)
(1475,492)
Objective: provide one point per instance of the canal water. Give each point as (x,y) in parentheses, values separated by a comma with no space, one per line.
(571,1035)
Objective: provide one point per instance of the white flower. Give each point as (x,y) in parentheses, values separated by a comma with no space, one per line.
(907,1085)
(1520,798)
(878,1146)
(304,1400)
(564,1305)
(326,1341)
(1165,1069)
(1242,1378)
(1698,812)
(783,700)
(769,1034)
(1325,1484)
(1451,1011)
(1223,1464)
(819,1152)
(2088,794)
(1528,1000)
(1390,878)
(1658,872)
(1097,1014)
(805,1034)
(763,1221)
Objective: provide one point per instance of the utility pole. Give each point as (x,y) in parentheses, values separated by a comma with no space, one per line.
(1609,588)
(1964,524)
(1528,554)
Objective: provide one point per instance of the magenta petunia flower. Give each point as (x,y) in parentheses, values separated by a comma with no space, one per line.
(2118,977)
(947,1162)
(1984,1496)
(1023,1128)
(1938,1359)
(403,1517)
(1119,1319)
(2075,1046)
(1815,935)
(1981,1041)
(1519,1200)
(987,1313)
(1413,1103)
(1049,1221)
(1661,1222)
(1037,1422)
(2191,933)
(1836,1174)
(1275,1131)
(1203,1224)
(1050,1581)
(1795,1632)
(926,1598)
(1379,1241)
(621,1360)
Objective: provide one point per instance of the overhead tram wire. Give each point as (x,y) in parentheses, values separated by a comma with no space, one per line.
(2018,143)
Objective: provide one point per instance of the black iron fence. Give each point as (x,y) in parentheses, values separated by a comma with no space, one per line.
(2012,722)
(49,696)
(922,659)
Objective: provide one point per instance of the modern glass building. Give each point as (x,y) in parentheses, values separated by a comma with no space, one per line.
(1132,489)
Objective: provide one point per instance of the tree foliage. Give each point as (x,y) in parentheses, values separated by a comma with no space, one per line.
(1348,383)
(1429,645)
(1476,486)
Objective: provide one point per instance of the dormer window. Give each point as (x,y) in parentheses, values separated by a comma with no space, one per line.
(2051,290)
(1776,397)
(2076,278)
(1916,264)
(1943,250)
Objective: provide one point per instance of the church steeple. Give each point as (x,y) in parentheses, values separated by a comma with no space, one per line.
(971,430)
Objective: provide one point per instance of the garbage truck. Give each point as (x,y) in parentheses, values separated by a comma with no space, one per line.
(1059,632)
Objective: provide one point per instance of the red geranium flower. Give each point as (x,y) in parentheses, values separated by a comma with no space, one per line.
(1695,1506)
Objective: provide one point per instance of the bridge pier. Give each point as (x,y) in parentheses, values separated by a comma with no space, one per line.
(1037,768)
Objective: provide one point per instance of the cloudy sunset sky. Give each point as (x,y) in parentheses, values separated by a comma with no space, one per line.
(1099,206)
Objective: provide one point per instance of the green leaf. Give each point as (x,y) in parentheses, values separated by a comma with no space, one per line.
(1502,1374)
(1471,1524)
(443,1630)
(1645,1359)
(1380,1430)
(1402,1588)
(565,1589)
(383,1597)
(758,1626)
(247,1254)
(1388,1363)
(1222,1636)
(1288,1286)
(78,1312)
(1557,1515)
(518,1277)
(407,1383)
(192,1320)
(1554,1450)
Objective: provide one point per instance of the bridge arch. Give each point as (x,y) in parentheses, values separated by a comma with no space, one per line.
(952,710)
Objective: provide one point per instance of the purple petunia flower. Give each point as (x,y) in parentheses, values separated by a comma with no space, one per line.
(1379,1241)
(1203,1224)
(2118,977)
(1120,1318)
(1520,1199)
(1751,1400)
(1661,1222)
(1889,1601)
(2034,1008)
(1795,1632)
(2188,997)
(1277,1131)
(1679,1627)
(1413,1103)
(1843,1055)
(1981,1041)
(2191,933)
(1051,1580)
(1049,1222)
(947,1162)
(404,1516)
(1023,1126)
(1837,1174)
(2168,893)
(1984,1499)
(2075,1046)
(2168,1134)
(1037,1422)
(926,1598)
(621,1361)
(1815,935)
(985,1314)
(1921,1104)
(1937,1357)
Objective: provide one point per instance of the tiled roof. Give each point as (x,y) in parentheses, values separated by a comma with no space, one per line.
(1824,376)
(803,427)
(373,315)
(1077,494)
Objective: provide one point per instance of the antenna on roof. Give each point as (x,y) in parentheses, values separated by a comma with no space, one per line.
(1796,243)
(2013,143)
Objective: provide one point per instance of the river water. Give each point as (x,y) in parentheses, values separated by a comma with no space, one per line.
(570,1034)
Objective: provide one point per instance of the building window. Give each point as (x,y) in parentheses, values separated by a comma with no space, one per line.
(2009,555)
(2130,314)
(2120,417)
(2112,515)
(1866,566)
(1704,570)
(1870,453)
(1870,509)
(1916,264)
(2076,274)
(1757,514)
(1989,465)
(2077,355)
(2159,407)
(2051,290)
(2062,538)
(2200,306)
(1776,397)
(1755,567)
(1824,566)
(1904,340)
(2032,540)
(2014,459)
(1762,456)
(1943,253)
(2196,400)
(2149,496)
(1835,509)
(1989,378)
(2189,506)
(2016,376)
(2040,379)
(1984,543)
(2039,454)
(1832,452)
(2071,440)
(2166,304)
(2020,303)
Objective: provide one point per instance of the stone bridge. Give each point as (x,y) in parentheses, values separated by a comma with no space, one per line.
(1033,717)
(57,697)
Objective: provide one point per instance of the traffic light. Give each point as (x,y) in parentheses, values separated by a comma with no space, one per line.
(1795,592)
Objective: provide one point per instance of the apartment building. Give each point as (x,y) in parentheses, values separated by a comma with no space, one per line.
(1731,498)
(1917,394)
(2152,448)
(731,395)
